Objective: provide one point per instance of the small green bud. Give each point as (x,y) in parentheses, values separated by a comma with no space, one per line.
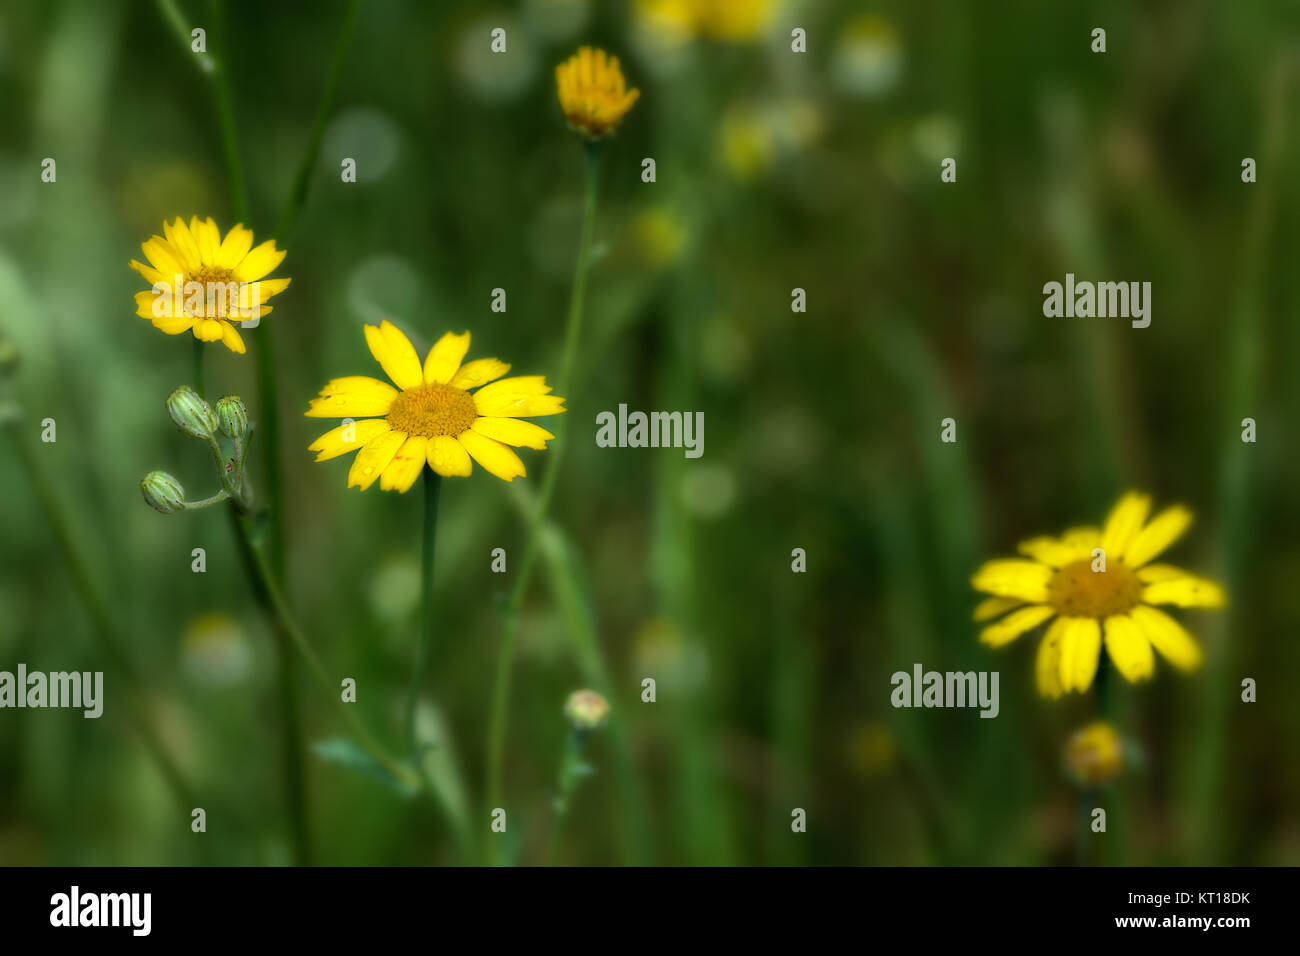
(232,416)
(586,710)
(162,492)
(191,414)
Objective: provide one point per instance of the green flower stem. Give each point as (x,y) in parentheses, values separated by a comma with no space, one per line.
(1242,373)
(268,388)
(262,575)
(197,375)
(268,593)
(424,641)
(226,116)
(1090,797)
(569,593)
(571,772)
(234,483)
(104,628)
(208,502)
(500,713)
(1083,825)
(301,182)
(295,790)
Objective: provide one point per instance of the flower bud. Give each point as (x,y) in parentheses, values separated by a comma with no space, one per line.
(232,416)
(1095,755)
(191,413)
(162,492)
(586,709)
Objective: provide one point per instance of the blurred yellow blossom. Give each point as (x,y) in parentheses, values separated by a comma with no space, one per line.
(1095,754)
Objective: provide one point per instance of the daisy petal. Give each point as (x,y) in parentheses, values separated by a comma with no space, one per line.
(1080,651)
(164,258)
(1083,539)
(1047,665)
(234,247)
(355,396)
(178,234)
(232,339)
(265,288)
(990,608)
(1168,637)
(172,325)
(348,437)
(260,262)
(208,237)
(395,354)
(372,459)
(520,406)
(1129,649)
(1046,550)
(1151,573)
(208,330)
(479,372)
(512,431)
(1185,592)
(448,457)
(1166,528)
(445,357)
(151,275)
(406,465)
(492,455)
(1123,523)
(1012,577)
(146,306)
(1015,624)
(517,385)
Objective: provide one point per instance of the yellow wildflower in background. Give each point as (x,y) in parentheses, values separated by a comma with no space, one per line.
(204,283)
(442,412)
(733,20)
(593,93)
(1091,602)
(1095,754)
(727,20)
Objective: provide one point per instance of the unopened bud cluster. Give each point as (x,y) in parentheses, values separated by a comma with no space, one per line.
(226,424)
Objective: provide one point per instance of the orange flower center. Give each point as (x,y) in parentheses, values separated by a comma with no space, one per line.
(430,410)
(1076,590)
(219,297)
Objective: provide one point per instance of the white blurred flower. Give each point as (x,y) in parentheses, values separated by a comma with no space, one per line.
(215,651)
(496,77)
(868,57)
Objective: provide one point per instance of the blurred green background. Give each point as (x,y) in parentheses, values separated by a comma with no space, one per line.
(775,170)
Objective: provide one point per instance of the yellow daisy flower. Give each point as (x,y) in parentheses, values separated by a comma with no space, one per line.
(593,94)
(1095,754)
(204,283)
(441,412)
(1095,597)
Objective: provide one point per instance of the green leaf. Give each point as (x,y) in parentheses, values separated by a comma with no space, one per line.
(347,753)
